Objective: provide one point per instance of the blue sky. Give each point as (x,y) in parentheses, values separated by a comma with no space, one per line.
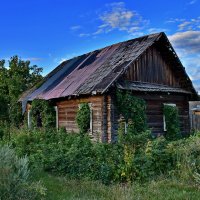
(46,32)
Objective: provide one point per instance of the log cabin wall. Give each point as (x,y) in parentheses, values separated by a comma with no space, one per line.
(101,125)
(152,68)
(154,111)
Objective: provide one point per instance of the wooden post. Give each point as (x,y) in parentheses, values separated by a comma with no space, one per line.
(104,137)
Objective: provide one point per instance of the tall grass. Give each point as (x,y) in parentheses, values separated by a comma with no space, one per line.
(60,188)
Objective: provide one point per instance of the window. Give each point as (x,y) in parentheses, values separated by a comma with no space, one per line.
(164,121)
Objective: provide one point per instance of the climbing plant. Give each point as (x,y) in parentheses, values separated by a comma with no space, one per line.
(172,122)
(83,118)
(133,110)
(42,114)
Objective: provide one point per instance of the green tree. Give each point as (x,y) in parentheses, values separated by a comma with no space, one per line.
(14,80)
(4,94)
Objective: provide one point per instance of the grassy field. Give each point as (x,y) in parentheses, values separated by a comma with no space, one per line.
(59,188)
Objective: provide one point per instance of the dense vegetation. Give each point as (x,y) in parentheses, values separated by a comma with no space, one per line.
(42,114)
(15,78)
(83,118)
(75,157)
(15,182)
(137,166)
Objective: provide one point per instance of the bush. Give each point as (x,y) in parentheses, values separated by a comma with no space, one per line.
(83,118)
(172,122)
(77,157)
(134,157)
(14,177)
(133,109)
(42,114)
(188,158)
(4,130)
(1,133)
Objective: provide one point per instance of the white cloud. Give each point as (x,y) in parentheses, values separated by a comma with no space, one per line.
(32,59)
(174,20)
(156,30)
(75,28)
(192,64)
(187,45)
(192,2)
(65,57)
(192,24)
(188,42)
(186,24)
(84,34)
(118,17)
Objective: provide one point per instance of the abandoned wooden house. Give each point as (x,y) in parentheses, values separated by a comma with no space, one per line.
(148,66)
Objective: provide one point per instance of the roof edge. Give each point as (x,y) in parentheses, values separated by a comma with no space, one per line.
(125,68)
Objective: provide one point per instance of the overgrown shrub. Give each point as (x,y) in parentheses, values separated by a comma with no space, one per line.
(5,128)
(43,114)
(1,132)
(172,122)
(188,158)
(133,109)
(134,158)
(14,177)
(83,118)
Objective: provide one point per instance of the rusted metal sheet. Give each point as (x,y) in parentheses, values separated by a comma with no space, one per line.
(93,72)
(90,72)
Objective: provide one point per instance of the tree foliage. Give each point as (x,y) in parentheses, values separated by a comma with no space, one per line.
(16,78)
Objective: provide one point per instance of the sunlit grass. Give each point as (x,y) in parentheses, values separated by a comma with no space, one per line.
(61,188)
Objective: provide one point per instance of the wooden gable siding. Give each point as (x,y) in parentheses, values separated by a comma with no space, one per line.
(152,68)
(67,110)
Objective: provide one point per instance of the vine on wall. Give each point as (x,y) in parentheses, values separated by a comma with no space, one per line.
(42,114)
(83,118)
(133,110)
(172,122)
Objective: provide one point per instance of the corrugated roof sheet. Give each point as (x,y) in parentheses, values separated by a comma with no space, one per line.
(94,71)
(149,87)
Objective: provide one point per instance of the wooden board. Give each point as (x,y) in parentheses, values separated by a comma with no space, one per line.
(67,110)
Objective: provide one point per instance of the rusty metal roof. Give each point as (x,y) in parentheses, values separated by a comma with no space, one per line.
(92,72)
(149,87)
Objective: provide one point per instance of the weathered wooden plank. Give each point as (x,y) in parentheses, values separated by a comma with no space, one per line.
(152,67)
(68,110)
